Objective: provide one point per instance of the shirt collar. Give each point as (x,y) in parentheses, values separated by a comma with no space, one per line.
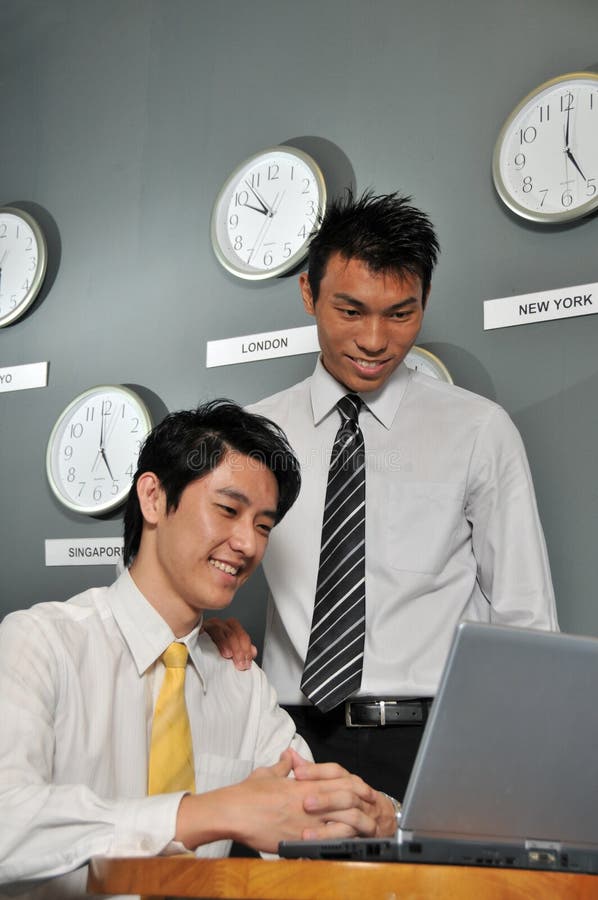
(326,391)
(146,633)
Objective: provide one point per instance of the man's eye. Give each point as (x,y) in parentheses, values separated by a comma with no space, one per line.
(229,510)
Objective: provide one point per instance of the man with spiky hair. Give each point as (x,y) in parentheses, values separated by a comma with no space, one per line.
(451,525)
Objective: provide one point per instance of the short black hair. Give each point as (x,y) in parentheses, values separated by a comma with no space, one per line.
(189,444)
(383,231)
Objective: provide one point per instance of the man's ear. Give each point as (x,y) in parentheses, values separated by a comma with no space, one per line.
(151,497)
(308,300)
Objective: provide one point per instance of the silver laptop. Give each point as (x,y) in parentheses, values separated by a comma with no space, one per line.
(507,770)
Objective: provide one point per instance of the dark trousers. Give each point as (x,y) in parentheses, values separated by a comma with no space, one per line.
(383,756)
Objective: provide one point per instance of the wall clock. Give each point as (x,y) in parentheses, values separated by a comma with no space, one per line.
(545,163)
(266,211)
(23,258)
(93,448)
(428,363)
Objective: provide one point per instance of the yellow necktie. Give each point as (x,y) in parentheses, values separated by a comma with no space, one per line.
(171,767)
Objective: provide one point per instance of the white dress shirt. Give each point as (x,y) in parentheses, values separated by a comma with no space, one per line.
(78,681)
(452,529)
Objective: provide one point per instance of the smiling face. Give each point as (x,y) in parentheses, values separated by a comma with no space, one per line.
(196,556)
(367,321)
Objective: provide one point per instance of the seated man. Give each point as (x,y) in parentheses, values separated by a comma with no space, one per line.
(88,695)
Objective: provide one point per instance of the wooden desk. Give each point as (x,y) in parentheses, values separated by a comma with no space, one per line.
(240,879)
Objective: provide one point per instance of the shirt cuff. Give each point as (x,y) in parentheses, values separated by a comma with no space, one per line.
(146,827)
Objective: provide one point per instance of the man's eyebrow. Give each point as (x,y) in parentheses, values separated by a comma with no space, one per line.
(234,494)
(359,304)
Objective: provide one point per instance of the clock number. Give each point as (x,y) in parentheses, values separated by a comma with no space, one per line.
(82,488)
(305,186)
(90,413)
(106,407)
(255,180)
(241,198)
(97,493)
(590,187)
(566,198)
(28,242)
(311,208)
(302,233)
(238,242)
(519,160)
(114,489)
(287,250)
(13,301)
(71,474)
(3,228)
(76,430)
(527,184)
(268,258)
(129,472)
(567,102)
(544,113)
(25,286)
(527,135)
(544,191)
(68,451)
(135,427)
(273,172)
(591,99)
(234,220)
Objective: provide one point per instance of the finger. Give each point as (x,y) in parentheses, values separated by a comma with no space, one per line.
(281,769)
(310,771)
(344,823)
(334,795)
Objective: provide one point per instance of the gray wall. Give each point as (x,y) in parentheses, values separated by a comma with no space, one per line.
(120,119)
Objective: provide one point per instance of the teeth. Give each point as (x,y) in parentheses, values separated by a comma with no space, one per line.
(224,567)
(367,363)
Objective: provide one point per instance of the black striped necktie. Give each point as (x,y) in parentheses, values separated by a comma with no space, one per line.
(335,653)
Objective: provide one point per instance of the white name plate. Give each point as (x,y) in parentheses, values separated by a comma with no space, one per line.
(250,347)
(84,551)
(19,378)
(563,303)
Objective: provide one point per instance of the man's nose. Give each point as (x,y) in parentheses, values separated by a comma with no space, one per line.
(372,336)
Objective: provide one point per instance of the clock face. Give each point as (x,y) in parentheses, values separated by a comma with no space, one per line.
(93,448)
(421,360)
(22,263)
(266,212)
(545,164)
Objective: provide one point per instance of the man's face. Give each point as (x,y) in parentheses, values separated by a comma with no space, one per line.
(367,322)
(197,556)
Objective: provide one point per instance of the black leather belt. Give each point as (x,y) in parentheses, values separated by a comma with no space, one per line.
(370,712)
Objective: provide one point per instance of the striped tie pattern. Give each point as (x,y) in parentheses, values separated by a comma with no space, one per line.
(334,659)
(171,767)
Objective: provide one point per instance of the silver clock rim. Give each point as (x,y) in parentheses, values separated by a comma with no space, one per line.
(40,271)
(299,255)
(433,360)
(118,499)
(502,190)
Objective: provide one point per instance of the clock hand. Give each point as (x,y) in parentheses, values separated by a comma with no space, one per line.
(262,232)
(260,199)
(573,160)
(105,458)
(257,209)
(567,130)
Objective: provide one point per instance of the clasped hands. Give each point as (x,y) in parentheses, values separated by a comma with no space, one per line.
(322,801)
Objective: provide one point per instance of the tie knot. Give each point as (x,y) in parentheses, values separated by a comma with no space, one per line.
(349,406)
(175,656)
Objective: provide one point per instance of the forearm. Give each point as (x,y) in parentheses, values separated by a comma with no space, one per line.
(48,830)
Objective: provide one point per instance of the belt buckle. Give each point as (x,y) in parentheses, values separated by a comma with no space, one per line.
(350,724)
